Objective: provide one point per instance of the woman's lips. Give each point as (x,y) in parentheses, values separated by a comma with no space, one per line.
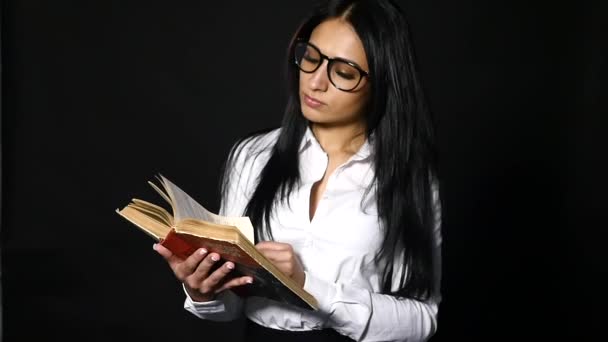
(312,102)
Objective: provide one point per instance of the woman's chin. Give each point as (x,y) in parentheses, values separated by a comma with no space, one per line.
(313,116)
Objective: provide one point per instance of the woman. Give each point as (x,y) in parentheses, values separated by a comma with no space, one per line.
(343,196)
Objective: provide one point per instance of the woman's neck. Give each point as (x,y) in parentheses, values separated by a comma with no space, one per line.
(340,139)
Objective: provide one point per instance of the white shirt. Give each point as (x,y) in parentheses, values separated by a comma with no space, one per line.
(336,248)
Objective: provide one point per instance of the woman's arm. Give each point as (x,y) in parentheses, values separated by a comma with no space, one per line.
(357,312)
(366,316)
(227,306)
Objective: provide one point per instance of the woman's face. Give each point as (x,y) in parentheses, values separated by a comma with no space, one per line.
(321,102)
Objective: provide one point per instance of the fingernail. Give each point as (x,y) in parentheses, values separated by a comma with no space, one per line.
(154,246)
(230,265)
(202,251)
(214,257)
(249,281)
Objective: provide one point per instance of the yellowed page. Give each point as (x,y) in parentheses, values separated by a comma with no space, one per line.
(186,207)
(159,212)
(146,223)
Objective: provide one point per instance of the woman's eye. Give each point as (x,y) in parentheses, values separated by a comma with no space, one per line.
(311,59)
(345,74)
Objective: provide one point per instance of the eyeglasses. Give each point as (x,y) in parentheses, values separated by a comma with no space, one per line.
(343,74)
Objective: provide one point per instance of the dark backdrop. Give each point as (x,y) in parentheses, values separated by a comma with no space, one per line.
(99,96)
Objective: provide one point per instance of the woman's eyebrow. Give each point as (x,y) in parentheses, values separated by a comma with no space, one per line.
(335,57)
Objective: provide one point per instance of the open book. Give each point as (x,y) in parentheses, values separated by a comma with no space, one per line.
(191,226)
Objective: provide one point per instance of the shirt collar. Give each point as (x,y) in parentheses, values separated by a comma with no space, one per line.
(307,139)
(364,152)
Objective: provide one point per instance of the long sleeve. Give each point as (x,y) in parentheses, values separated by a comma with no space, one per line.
(366,316)
(337,249)
(228,306)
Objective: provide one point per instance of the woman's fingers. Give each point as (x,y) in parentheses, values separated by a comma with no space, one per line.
(171,259)
(202,270)
(215,279)
(276,252)
(283,256)
(282,260)
(240,281)
(195,272)
(277,256)
(185,268)
(272,245)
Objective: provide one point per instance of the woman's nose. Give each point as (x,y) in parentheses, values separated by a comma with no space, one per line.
(318,79)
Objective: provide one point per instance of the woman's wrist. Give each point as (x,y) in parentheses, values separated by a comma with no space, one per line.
(196,296)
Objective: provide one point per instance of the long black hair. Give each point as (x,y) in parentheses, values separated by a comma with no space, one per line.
(403,143)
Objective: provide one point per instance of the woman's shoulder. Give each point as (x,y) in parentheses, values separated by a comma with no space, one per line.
(258,142)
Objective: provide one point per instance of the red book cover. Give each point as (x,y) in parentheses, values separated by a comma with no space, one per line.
(264,284)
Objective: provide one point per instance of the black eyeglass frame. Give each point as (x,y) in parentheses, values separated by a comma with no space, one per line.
(330,61)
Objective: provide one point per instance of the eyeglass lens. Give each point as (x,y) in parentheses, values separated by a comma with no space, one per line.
(343,75)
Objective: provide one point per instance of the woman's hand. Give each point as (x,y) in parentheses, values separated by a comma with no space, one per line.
(284,258)
(195,273)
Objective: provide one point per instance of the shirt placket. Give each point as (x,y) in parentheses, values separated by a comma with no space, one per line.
(319,162)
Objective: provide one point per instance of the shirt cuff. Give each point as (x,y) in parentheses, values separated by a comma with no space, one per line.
(224,300)
(323,291)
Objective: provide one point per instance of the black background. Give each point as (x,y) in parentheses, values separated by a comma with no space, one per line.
(99,96)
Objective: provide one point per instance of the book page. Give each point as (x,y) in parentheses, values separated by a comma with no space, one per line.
(186,207)
(161,193)
(154,210)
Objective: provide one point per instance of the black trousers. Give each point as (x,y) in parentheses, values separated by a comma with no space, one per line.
(256,332)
